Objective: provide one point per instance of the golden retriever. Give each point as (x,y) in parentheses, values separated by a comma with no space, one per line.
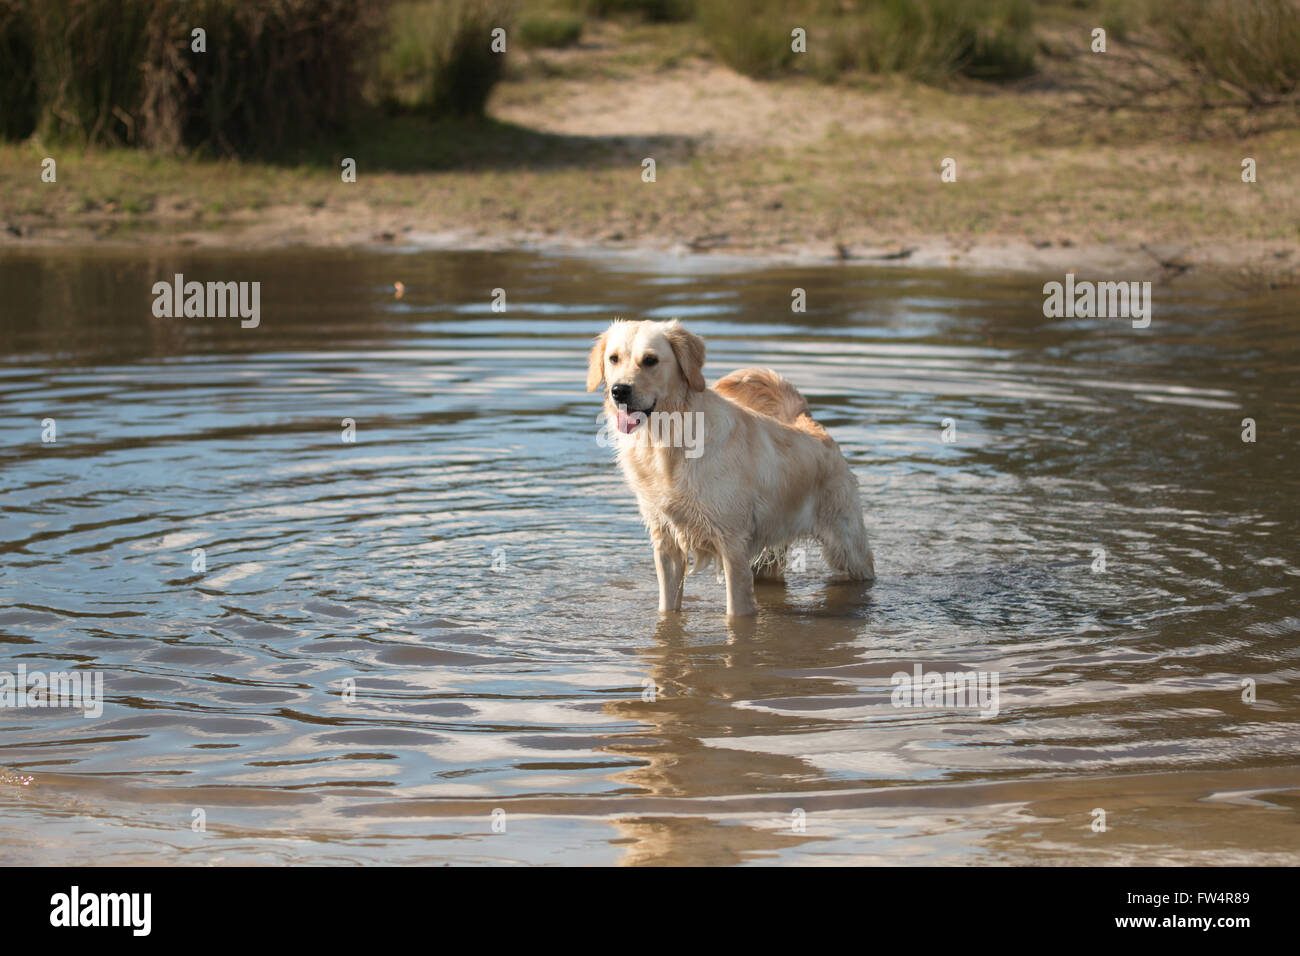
(734,473)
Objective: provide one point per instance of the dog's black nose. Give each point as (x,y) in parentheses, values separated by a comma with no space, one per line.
(620,393)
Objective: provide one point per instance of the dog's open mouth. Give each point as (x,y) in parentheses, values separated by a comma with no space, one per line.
(630,418)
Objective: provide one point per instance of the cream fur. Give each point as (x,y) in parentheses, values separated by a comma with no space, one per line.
(766,474)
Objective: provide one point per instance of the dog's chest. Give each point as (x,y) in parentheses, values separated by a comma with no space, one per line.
(666,486)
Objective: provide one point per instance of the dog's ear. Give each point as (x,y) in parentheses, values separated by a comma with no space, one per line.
(596,364)
(689,349)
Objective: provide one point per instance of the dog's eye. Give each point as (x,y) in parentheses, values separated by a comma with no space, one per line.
(613,360)
(650,360)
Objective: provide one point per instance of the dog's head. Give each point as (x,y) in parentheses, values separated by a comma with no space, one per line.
(645,366)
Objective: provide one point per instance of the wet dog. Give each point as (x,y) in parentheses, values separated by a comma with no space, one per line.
(732,474)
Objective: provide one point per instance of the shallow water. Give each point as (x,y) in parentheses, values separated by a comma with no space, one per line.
(474,566)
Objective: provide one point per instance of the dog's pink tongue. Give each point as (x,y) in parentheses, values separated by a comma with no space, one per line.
(627,421)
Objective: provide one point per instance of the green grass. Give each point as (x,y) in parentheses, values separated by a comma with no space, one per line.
(437,57)
(483,174)
(931,40)
(1249,49)
(753,37)
(556,30)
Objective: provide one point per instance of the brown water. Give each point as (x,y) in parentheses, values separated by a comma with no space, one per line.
(522,688)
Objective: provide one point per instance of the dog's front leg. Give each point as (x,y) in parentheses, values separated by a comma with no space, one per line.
(740,583)
(670,566)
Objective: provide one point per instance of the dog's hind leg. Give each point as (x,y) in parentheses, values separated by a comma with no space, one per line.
(843,536)
(740,582)
(670,567)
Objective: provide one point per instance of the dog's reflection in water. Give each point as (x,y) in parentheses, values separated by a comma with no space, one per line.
(707,681)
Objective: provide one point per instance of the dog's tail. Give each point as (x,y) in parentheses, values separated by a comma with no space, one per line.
(764,391)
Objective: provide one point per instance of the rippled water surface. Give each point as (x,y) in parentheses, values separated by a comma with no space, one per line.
(455,614)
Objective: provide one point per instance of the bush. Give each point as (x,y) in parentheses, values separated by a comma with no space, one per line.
(927,39)
(1216,67)
(1250,49)
(935,39)
(88,58)
(17,80)
(1119,17)
(550,30)
(439,57)
(751,37)
(1001,42)
(654,11)
(123,72)
(274,74)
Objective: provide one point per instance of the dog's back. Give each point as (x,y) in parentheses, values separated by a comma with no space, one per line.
(764,391)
